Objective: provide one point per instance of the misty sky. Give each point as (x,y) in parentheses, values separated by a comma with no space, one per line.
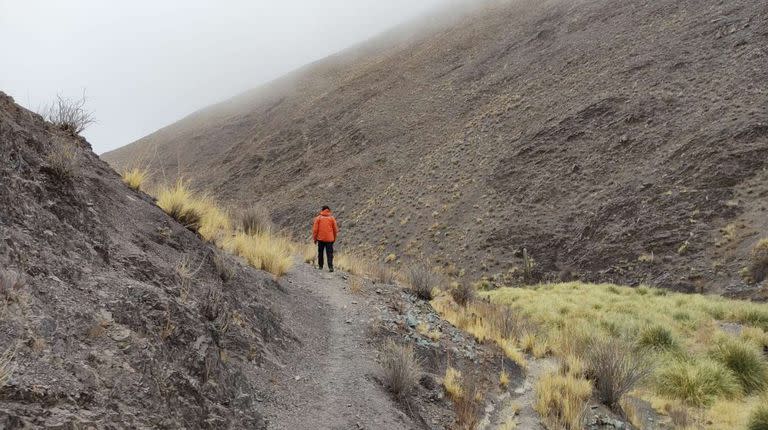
(145,64)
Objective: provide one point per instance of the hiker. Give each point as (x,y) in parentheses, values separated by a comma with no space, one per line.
(324,232)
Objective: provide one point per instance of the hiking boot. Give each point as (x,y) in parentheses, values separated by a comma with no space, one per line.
(330,269)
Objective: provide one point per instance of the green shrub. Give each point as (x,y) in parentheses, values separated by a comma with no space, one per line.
(657,338)
(758,419)
(696,383)
(745,361)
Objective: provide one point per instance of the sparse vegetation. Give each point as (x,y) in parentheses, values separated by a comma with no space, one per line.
(135,178)
(195,212)
(256,220)
(422,281)
(401,369)
(69,114)
(63,159)
(355,285)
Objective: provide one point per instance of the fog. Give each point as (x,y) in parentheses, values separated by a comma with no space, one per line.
(145,64)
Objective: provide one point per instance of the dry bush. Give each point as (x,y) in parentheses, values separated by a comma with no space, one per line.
(758,265)
(256,220)
(135,178)
(422,281)
(401,369)
(11,283)
(69,114)
(225,268)
(562,400)
(383,274)
(63,159)
(615,369)
(463,293)
(213,305)
(6,365)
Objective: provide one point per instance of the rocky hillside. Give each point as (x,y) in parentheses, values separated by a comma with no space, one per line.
(111,313)
(622,141)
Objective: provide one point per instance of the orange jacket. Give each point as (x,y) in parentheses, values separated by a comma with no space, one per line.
(325,228)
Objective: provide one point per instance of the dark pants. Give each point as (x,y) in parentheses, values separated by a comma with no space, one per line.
(328,247)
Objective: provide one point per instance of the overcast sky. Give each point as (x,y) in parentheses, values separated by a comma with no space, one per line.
(145,64)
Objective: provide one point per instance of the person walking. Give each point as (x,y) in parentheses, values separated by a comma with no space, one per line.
(324,232)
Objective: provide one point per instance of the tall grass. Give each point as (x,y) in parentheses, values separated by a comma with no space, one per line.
(262,249)
(401,369)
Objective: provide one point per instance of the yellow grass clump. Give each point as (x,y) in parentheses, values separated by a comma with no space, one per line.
(135,178)
(196,212)
(562,399)
(263,251)
(452,383)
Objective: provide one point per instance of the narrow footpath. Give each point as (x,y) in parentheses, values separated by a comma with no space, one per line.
(329,383)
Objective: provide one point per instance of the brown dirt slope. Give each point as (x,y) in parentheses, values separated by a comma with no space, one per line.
(591,132)
(105,333)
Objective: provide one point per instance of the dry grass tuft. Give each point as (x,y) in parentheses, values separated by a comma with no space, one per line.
(696,384)
(401,369)
(422,281)
(195,212)
(562,399)
(615,370)
(63,159)
(469,406)
(6,365)
(135,178)
(256,220)
(11,283)
(452,383)
(264,252)
(383,274)
(504,379)
(225,268)
(355,285)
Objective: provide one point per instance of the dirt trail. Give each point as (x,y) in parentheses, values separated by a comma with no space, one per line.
(329,383)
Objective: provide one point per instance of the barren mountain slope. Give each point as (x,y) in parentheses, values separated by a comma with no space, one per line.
(611,139)
(105,330)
